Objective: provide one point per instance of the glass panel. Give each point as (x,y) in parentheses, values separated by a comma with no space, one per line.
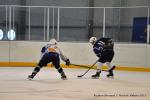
(122,24)
(40,18)
(73,24)
(37,24)
(76,24)
(18,22)
(98,22)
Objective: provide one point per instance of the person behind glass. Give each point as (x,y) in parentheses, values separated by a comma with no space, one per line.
(104,50)
(51,53)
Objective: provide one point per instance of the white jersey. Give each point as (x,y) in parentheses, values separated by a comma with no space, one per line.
(53,48)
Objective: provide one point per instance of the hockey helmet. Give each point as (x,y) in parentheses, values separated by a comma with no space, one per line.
(92,40)
(53,41)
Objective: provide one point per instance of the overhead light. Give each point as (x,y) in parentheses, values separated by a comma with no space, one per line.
(11,34)
(1,34)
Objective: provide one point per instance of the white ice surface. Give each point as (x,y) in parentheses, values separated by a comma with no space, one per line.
(47,85)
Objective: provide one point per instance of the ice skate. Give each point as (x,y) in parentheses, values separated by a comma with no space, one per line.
(30,77)
(111,74)
(63,76)
(97,75)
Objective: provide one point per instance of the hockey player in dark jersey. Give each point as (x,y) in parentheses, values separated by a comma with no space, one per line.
(104,50)
(51,53)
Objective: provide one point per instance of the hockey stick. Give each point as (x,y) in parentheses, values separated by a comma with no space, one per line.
(88,69)
(81,66)
(94,68)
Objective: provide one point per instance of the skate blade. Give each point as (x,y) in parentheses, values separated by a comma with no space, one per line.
(29,78)
(111,77)
(64,78)
(95,77)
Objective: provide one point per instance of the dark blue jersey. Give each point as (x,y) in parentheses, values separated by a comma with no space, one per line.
(100,45)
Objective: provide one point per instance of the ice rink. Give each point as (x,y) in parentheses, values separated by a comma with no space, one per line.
(47,85)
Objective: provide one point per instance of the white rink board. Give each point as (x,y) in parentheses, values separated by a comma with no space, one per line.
(130,55)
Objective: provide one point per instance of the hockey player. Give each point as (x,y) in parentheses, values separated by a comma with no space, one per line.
(51,53)
(104,50)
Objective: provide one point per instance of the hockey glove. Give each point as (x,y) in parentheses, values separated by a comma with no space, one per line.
(67,62)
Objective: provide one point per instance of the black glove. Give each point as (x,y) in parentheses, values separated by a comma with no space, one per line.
(98,55)
(67,62)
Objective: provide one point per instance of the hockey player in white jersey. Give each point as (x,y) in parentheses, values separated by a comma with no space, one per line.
(51,53)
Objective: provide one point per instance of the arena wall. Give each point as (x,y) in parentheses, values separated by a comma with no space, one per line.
(25,53)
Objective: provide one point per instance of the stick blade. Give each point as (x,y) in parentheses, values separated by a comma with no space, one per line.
(79,75)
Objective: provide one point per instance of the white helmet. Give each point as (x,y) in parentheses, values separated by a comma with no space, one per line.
(53,41)
(92,40)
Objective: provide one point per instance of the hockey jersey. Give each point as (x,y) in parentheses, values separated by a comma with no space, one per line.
(101,45)
(53,48)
